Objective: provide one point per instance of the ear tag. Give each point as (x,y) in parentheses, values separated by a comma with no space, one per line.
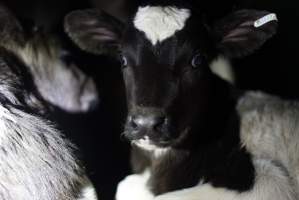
(265,20)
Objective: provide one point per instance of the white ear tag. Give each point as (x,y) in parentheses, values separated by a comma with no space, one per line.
(265,20)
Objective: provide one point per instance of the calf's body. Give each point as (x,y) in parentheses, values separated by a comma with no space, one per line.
(268,133)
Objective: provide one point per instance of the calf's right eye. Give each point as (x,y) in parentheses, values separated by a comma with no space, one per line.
(123,61)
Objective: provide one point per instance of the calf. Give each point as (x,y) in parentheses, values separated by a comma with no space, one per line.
(57,77)
(193,135)
(37,162)
(55,73)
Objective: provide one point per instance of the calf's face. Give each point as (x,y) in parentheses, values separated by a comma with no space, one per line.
(165,54)
(166,74)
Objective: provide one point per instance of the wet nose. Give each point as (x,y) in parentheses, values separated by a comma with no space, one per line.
(150,122)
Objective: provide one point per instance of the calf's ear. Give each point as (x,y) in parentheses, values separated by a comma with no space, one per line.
(94,31)
(11,31)
(244,31)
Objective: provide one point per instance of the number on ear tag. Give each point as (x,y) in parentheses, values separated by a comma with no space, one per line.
(265,20)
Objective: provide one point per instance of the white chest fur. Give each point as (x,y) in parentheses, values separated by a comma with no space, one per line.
(134,187)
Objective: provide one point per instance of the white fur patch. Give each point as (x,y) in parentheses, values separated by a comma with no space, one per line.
(222,67)
(5,116)
(88,193)
(147,145)
(202,191)
(134,187)
(159,23)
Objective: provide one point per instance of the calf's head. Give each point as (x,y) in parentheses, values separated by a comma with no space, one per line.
(56,77)
(55,73)
(165,52)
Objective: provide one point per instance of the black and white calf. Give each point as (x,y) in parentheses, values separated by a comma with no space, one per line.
(195,136)
(37,162)
(58,79)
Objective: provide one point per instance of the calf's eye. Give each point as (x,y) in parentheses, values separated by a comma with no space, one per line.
(197,60)
(66,57)
(123,61)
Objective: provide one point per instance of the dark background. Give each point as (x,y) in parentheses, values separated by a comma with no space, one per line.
(274,69)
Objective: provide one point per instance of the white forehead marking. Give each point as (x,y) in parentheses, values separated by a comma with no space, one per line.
(159,23)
